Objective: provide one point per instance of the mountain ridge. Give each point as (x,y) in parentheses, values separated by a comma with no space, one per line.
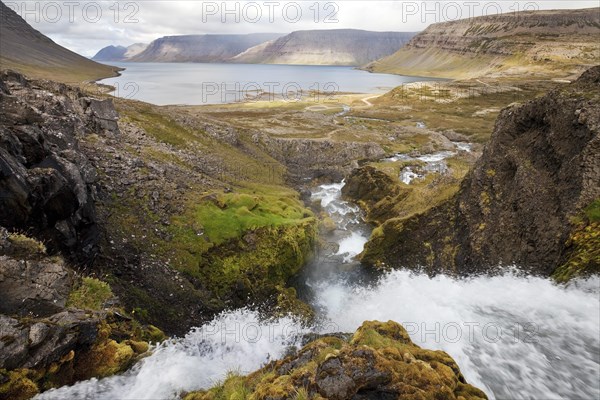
(552,42)
(200,48)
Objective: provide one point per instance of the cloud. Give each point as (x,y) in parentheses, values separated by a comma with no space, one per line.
(87,26)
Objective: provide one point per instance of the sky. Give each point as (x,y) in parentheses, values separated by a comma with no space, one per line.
(87,26)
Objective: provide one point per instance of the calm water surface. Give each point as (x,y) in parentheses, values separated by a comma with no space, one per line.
(186,83)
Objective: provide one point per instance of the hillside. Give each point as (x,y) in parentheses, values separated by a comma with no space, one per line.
(119,53)
(326,47)
(531,200)
(200,48)
(24,49)
(551,43)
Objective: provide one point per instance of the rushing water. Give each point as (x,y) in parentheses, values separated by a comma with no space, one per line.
(192,83)
(516,337)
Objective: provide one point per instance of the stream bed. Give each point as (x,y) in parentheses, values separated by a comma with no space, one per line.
(513,336)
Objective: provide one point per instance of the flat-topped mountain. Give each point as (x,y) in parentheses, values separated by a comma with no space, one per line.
(326,47)
(200,48)
(533,42)
(29,51)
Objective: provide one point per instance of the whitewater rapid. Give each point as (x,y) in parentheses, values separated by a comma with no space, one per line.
(516,337)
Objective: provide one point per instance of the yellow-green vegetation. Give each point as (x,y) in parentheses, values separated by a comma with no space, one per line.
(25,247)
(17,384)
(90,294)
(584,246)
(379,358)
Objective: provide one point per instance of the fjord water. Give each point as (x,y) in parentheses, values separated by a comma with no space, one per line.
(194,84)
(516,337)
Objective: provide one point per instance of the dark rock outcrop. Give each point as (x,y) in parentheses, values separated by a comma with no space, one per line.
(378,362)
(46,182)
(518,205)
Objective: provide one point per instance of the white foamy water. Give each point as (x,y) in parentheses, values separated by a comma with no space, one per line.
(515,337)
(237,341)
(433,163)
(351,246)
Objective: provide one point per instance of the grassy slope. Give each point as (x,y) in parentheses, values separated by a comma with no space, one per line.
(26,50)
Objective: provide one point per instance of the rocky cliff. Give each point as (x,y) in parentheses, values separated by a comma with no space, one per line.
(326,47)
(47,184)
(559,42)
(27,50)
(378,362)
(531,199)
(200,48)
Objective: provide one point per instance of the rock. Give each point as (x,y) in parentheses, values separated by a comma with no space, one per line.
(101,114)
(13,343)
(519,204)
(31,287)
(378,362)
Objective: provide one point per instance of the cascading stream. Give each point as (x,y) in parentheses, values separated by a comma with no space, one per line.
(513,336)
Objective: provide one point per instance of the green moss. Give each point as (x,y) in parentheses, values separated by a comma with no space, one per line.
(228,216)
(261,261)
(153,334)
(592,211)
(90,294)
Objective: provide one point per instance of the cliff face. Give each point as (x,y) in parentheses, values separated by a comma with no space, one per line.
(200,48)
(326,47)
(27,50)
(534,187)
(378,362)
(47,184)
(543,41)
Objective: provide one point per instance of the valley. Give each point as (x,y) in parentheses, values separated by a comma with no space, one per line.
(428,235)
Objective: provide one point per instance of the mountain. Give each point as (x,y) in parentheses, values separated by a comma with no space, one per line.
(326,47)
(24,49)
(556,42)
(200,48)
(111,53)
(119,53)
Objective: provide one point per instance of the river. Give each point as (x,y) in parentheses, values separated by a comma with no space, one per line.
(514,336)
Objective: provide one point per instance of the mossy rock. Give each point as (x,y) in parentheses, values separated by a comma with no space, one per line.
(380,361)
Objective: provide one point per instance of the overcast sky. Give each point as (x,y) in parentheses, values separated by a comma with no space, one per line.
(87,26)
